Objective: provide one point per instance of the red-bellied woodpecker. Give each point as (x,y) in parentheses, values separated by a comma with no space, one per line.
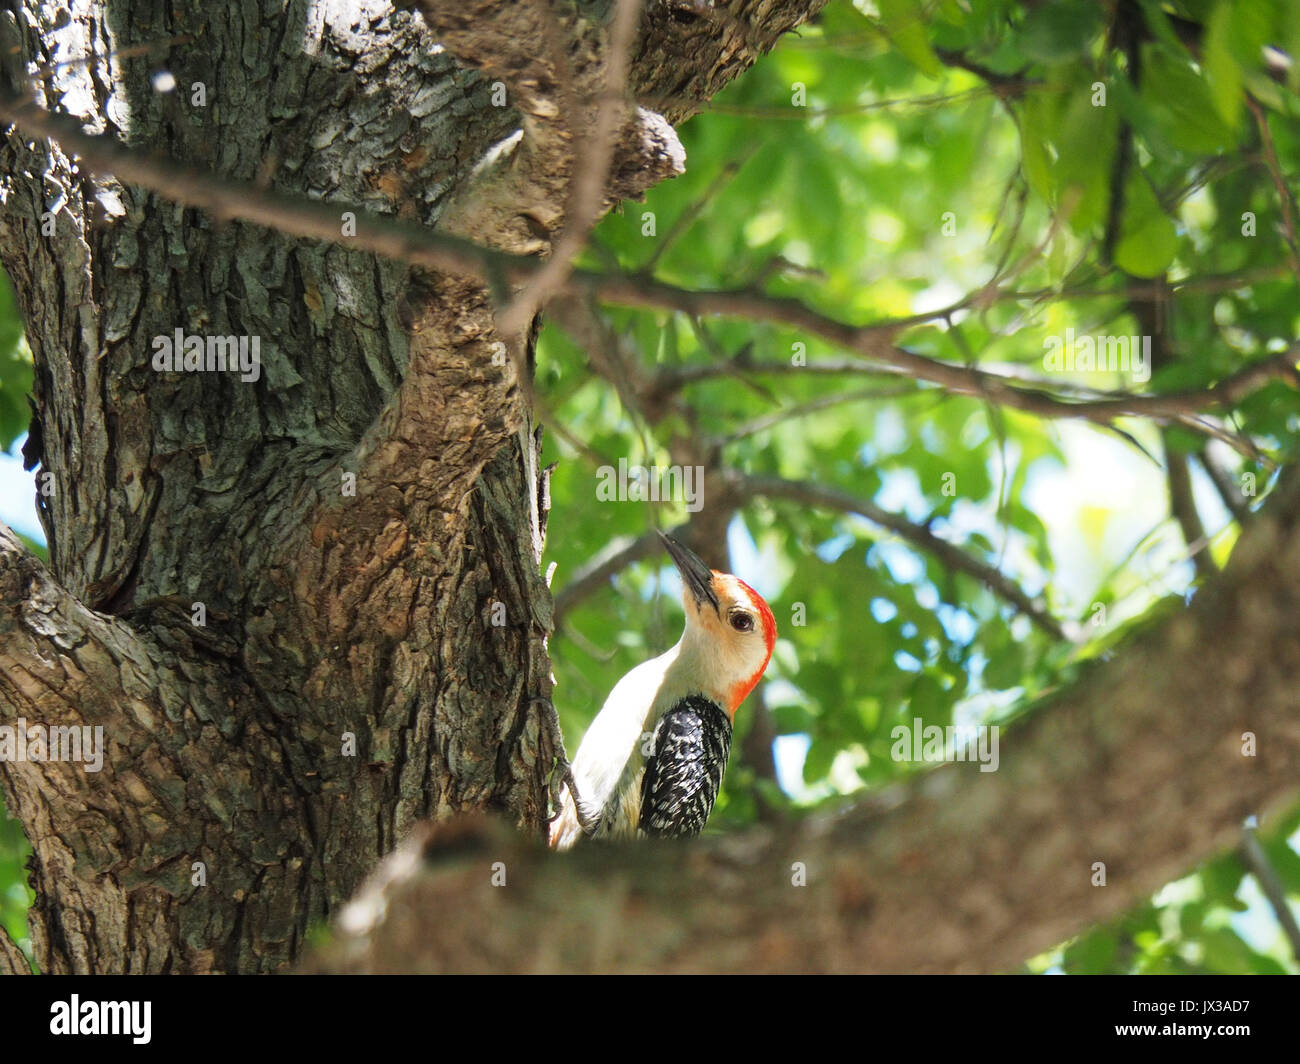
(652,761)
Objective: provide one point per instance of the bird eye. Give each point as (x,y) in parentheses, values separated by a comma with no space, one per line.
(742,622)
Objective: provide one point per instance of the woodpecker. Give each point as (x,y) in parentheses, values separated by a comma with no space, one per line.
(652,761)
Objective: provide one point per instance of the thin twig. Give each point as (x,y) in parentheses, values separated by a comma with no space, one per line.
(953,557)
(1256,860)
(802,114)
(612,559)
(823,402)
(1182,504)
(875,342)
(590,175)
(693,210)
(1279,182)
(292,215)
(1228,491)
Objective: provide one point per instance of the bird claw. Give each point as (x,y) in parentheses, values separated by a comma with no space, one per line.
(562,774)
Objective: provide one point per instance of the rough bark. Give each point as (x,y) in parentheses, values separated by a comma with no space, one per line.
(333,606)
(1143,766)
(12,960)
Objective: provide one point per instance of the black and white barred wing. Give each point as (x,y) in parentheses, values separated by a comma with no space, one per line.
(684,773)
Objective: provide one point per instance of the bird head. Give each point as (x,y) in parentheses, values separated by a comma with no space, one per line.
(728,625)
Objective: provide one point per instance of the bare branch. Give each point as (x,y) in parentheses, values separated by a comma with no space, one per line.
(918,535)
(1228,491)
(1005,85)
(1285,198)
(676,377)
(1139,289)
(613,558)
(590,177)
(305,218)
(625,550)
(823,402)
(1182,504)
(292,215)
(1255,859)
(687,218)
(803,114)
(876,342)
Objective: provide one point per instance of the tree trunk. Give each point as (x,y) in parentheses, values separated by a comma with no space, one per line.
(305,608)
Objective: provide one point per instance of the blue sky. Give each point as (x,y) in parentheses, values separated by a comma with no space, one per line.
(18,494)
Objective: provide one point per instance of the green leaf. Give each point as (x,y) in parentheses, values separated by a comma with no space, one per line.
(821,755)
(1149,240)
(1004,668)
(1092,954)
(1053,33)
(15,371)
(1221,65)
(1222,880)
(929,701)
(1183,107)
(904,22)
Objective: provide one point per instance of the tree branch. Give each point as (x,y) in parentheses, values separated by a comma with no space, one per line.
(919,536)
(876,342)
(1228,490)
(613,558)
(413,244)
(229,200)
(587,196)
(1285,198)
(1182,504)
(625,551)
(1255,859)
(823,402)
(581,148)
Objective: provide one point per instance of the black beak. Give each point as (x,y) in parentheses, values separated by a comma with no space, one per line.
(695,574)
